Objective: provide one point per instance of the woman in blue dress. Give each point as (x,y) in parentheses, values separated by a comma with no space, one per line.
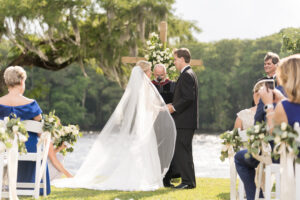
(26,109)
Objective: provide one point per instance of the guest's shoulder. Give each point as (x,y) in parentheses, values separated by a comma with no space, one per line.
(28,100)
(244,112)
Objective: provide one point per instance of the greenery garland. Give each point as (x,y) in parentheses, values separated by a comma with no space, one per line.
(10,128)
(230,138)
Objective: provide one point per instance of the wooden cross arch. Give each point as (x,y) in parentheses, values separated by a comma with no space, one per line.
(163,37)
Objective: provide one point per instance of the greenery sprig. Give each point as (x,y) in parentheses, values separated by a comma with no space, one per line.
(230,138)
(10,128)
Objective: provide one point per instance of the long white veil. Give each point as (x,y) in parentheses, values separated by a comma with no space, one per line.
(139,130)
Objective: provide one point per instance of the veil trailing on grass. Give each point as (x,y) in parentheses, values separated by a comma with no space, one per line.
(136,146)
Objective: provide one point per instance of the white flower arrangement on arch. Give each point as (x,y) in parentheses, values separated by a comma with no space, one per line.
(157,53)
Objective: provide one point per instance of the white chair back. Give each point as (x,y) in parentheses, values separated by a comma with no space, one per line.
(40,159)
(297,166)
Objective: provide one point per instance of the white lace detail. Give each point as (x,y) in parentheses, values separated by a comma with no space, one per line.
(247,117)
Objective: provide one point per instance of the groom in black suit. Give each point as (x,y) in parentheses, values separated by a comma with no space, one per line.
(184,109)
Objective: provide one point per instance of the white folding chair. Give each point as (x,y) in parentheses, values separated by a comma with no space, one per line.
(269,170)
(9,159)
(40,158)
(297,166)
(241,190)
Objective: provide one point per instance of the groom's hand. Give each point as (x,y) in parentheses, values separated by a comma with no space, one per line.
(171,108)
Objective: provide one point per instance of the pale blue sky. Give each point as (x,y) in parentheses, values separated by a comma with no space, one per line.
(227,19)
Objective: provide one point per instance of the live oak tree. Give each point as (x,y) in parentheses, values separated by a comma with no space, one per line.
(52,34)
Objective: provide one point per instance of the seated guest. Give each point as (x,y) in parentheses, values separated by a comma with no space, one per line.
(56,168)
(26,109)
(245,118)
(246,166)
(271,61)
(164,86)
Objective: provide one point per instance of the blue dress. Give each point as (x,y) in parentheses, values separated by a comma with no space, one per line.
(292,111)
(26,169)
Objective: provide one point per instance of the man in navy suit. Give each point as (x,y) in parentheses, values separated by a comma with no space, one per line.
(184,109)
(246,166)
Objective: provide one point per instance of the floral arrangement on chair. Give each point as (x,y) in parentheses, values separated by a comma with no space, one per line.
(285,134)
(230,139)
(258,138)
(10,128)
(157,53)
(61,135)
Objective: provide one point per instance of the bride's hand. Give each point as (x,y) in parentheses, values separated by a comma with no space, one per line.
(171,108)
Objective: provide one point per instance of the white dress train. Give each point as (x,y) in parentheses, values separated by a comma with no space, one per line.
(135,148)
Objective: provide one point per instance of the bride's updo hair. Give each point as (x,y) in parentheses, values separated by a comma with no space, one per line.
(144,65)
(14,75)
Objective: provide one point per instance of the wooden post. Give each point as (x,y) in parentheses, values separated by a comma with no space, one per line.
(163,26)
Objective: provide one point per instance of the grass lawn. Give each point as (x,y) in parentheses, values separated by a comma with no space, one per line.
(207,189)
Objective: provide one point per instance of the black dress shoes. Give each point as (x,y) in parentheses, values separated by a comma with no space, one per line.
(168,184)
(184,186)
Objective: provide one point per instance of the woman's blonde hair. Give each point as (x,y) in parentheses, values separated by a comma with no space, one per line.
(14,75)
(288,73)
(144,65)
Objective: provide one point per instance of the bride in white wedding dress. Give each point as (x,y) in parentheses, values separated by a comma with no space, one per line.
(135,148)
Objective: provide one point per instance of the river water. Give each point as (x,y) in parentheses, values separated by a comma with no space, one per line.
(206,153)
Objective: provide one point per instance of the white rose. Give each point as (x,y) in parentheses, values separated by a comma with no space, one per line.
(284,134)
(252,137)
(231,132)
(277,139)
(147,57)
(154,54)
(148,42)
(51,119)
(173,69)
(2,130)
(256,129)
(6,119)
(224,148)
(152,47)
(22,138)
(153,34)
(76,132)
(2,147)
(158,58)
(261,136)
(283,126)
(15,129)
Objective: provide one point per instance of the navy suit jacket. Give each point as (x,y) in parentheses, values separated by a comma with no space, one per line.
(260,114)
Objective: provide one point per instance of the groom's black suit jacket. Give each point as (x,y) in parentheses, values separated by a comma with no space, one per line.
(185,100)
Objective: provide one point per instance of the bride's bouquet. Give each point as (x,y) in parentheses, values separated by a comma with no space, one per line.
(61,135)
(10,128)
(68,137)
